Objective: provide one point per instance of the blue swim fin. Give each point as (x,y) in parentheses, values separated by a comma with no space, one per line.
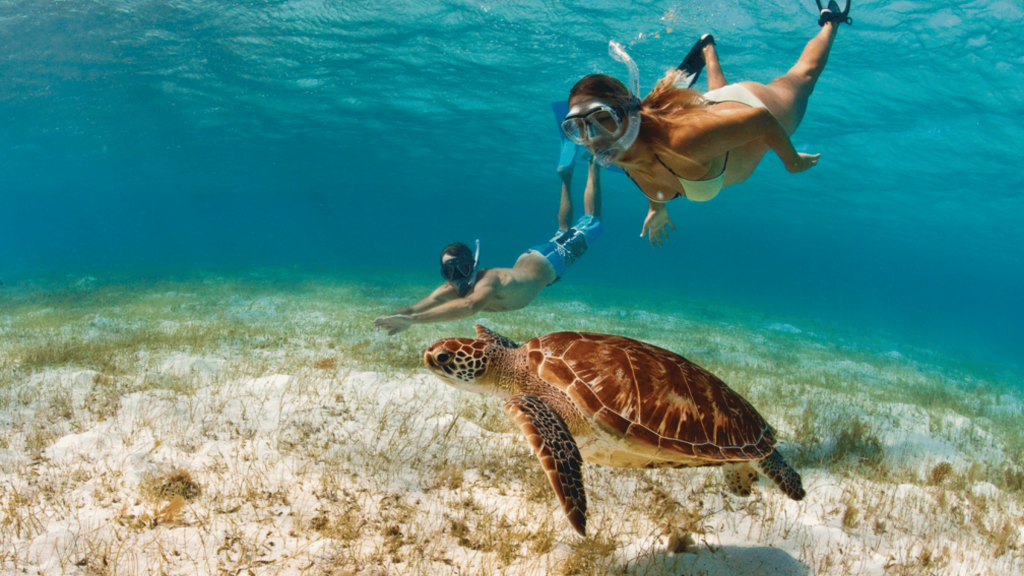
(567,156)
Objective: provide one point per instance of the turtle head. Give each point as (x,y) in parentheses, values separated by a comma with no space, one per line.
(462,363)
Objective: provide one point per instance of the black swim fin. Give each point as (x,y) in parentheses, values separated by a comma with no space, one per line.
(832,13)
(694,62)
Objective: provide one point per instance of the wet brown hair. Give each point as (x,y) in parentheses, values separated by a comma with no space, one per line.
(457,250)
(605,88)
(667,103)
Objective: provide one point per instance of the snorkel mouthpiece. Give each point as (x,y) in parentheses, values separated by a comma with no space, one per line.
(606,155)
(462,285)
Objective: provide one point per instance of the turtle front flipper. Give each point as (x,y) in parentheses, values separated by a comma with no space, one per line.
(788,480)
(556,449)
(740,478)
(494,338)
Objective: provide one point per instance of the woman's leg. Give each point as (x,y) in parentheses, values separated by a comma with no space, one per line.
(716,79)
(787,95)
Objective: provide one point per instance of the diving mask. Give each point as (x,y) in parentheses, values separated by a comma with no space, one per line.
(457,268)
(600,127)
(461,271)
(587,123)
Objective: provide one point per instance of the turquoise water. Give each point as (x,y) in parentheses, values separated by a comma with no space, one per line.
(156,136)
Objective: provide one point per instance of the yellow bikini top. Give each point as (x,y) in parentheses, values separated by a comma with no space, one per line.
(701,190)
(704,190)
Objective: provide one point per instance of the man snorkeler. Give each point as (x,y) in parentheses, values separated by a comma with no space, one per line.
(469,289)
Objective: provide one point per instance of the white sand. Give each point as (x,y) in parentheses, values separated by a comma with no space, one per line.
(335,472)
(221,444)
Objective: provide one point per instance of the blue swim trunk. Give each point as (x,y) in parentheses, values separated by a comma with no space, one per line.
(568,245)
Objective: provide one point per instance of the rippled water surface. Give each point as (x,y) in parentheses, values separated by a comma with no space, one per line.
(162,135)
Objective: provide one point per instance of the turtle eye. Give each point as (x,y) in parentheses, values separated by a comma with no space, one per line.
(443,357)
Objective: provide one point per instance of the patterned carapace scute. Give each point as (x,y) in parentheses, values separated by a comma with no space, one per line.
(652,395)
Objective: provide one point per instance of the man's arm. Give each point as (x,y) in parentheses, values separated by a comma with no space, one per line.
(451,310)
(592,193)
(444,293)
(458,307)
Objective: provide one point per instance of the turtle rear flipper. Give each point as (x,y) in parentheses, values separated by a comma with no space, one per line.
(775,467)
(554,446)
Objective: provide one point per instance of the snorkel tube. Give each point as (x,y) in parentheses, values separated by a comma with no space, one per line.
(476,264)
(606,155)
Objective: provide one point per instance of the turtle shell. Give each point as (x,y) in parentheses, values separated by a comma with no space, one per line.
(651,398)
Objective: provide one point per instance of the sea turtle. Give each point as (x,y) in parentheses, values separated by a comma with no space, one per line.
(615,401)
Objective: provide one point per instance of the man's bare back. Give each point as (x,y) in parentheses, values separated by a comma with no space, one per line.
(514,288)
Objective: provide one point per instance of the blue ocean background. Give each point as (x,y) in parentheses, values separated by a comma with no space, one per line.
(155,137)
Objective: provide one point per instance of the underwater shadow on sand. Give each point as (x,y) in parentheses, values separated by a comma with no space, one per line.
(750,560)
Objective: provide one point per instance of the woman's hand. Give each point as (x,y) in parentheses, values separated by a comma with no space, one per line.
(803,162)
(654,224)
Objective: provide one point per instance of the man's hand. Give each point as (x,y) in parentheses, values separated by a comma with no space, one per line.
(654,224)
(393,324)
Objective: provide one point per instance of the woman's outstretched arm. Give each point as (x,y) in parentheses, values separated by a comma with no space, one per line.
(709,136)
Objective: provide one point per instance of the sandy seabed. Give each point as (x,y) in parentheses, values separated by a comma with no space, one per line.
(258,426)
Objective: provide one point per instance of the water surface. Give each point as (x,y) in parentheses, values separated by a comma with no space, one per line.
(150,136)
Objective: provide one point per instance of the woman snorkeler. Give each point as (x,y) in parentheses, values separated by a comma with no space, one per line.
(677,142)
